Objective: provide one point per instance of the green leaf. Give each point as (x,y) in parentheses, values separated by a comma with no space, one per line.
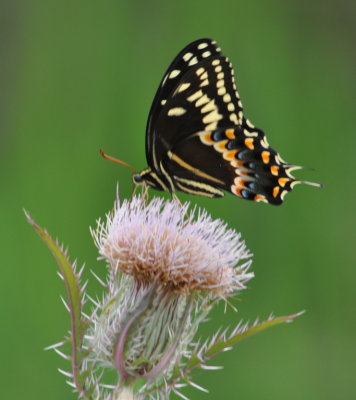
(237,335)
(74,296)
(218,344)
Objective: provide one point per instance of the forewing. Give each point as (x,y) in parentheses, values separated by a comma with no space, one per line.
(198,92)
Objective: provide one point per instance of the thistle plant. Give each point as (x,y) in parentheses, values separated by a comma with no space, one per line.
(167,266)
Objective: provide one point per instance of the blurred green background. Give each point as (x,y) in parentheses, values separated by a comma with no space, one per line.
(76,76)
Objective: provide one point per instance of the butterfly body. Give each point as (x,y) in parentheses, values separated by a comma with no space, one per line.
(198,140)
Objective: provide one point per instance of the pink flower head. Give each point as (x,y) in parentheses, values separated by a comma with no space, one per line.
(164,241)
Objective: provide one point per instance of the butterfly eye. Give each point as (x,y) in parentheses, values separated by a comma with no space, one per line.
(137,179)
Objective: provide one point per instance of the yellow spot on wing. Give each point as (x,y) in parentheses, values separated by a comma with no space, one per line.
(200,185)
(233,118)
(193,61)
(202,46)
(183,87)
(203,99)
(195,96)
(211,117)
(275,191)
(227,98)
(209,107)
(187,56)
(176,111)
(174,73)
(200,71)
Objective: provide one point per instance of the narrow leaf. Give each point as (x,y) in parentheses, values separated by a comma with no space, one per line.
(74,295)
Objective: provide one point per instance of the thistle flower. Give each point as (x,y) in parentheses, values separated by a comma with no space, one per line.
(161,241)
(167,266)
(166,271)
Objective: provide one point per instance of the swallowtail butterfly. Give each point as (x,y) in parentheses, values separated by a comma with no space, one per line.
(198,140)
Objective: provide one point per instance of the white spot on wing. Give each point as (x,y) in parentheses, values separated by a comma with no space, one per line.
(176,111)
(209,107)
(200,71)
(250,134)
(183,86)
(231,107)
(163,102)
(174,73)
(202,46)
(164,80)
(203,99)
(233,118)
(249,124)
(187,56)
(212,117)
(204,83)
(206,54)
(193,61)
(227,98)
(211,126)
(204,76)
(195,96)
(215,62)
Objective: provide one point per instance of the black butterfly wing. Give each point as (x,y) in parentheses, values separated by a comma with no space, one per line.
(197,92)
(236,159)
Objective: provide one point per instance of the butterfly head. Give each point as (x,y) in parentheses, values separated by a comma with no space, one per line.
(148,177)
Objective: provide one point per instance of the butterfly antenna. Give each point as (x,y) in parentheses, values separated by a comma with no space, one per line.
(107,157)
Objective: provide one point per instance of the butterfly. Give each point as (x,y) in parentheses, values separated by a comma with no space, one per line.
(198,140)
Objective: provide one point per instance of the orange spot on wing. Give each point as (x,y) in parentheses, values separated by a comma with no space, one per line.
(206,138)
(229,155)
(265,156)
(230,133)
(275,191)
(220,146)
(249,143)
(237,164)
(239,182)
(260,197)
(283,181)
(236,190)
(274,169)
